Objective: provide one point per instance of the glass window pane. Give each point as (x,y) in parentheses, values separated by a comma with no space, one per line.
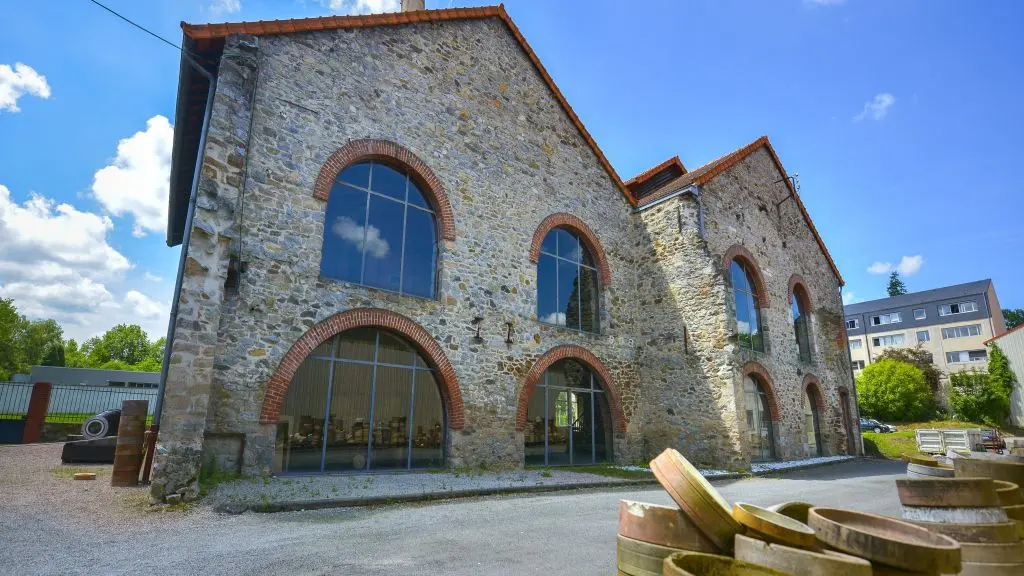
(533,432)
(587,257)
(569,373)
(547,291)
(589,300)
(344,234)
(428,423)
(580,427)
(300,427)
(420,254)
(568,292)
(558,426)
(550,243)
(394,350)
(349,428)
(357,344)
(325,348)
(384,244)
(602,428)
(568,245)
(755,324)
(742,318)
(357,175)
(739,277)
(388,181)
(416,196)
(392,400)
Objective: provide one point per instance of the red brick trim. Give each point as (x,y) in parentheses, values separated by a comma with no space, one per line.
(568,221)
(561,353)
(277,387)
(811,383)
(804,295)
(399,156)
(756,369)
(35,417)
(739,251)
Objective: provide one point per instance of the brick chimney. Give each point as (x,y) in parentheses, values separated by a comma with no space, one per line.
(411,5)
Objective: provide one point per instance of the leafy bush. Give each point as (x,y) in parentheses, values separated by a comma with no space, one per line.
(918,357)
(892,390)
(980,397)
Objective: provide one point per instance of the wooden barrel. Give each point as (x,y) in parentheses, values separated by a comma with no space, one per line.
(923,459)
(1009,493)
(774,526)
(698,564)
(919,471)
(662,525)
(1010,471)
(954,515)
(1002,532)
(638,558)
(697,497)
(989,569)
(947,492)
(789,560)
(998,553)
(795,509)
(128,451)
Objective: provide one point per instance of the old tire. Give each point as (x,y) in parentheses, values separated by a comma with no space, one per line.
(101,425)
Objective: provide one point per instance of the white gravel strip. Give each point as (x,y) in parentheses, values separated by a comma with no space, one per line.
(240,494)
(757,468)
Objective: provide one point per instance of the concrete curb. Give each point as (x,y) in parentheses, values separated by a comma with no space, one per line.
(298,505)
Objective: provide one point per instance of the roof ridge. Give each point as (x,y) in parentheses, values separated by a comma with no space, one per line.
(647,174)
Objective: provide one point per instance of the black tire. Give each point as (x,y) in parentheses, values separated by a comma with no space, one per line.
(101,425)
(877,430)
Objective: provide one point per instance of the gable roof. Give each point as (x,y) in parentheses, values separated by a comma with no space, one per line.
(709,171)
(208,42)
(922,297)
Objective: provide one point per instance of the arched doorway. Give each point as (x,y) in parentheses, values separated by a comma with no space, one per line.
(812,423)
(363,400)
(568,417)
(760,429)
(844,406)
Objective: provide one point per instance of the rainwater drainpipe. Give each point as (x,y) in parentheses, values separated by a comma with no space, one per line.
(186,238)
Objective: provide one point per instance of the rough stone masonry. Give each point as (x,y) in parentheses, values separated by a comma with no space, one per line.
(464,99)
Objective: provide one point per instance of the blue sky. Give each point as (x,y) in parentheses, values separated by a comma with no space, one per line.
(901,119)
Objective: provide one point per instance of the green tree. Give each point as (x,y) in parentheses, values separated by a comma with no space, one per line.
(150,364)
(10,329)
(54,356)
(976,397)
(73,356)
(126,343)
(920,358)
(37,338)
(156,350)
(1013,317)
(896,286)
(999,373)
(892,390)
(95,352)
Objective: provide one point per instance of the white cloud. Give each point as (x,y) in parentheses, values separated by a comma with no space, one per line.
(144,307)
(363,6)
(876,108)
(555,318)
(137,181)
(218,7)
(18,81)
(152,277)
(347,229)
(849,297)
(908,266)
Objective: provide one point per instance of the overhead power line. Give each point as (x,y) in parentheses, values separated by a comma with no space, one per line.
(150,32)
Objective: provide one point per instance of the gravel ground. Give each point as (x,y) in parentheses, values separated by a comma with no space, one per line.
(238,495)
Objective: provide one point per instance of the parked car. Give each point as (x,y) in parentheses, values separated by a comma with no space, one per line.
(872,425)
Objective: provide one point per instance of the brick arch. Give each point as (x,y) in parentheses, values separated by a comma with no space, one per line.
(277,387)
(811,383)
(803,295)
(396,155)
(574,223)
(739,251)
(579,354)
(756,369)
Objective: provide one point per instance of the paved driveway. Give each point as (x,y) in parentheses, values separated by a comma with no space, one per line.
(559,533)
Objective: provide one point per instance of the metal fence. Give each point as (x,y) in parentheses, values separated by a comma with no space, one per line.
(71,404)
(14,398)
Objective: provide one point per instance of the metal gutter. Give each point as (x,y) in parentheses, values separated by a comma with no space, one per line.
(172,321)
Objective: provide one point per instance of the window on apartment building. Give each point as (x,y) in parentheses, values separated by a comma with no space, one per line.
(966,356)
(856,344)
(892,340)
(567,286)
(852,324)
(958,308)
(923,336)
(857,365)
(380,231)
(881,319)
(801,322)
(919,314)
(748,311)
(961,331)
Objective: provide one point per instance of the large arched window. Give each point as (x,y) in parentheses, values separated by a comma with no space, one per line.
(380,231)
(760,433)
(567,284)
(801,322)
(748,311)
(363,400)
(568,419)
(812,423)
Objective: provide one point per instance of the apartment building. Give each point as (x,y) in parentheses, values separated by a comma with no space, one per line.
(952,323)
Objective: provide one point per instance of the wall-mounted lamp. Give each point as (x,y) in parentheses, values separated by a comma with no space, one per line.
(477,321)
(508,337)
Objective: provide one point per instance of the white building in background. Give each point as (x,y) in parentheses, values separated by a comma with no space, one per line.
(60,375)
(1012,344)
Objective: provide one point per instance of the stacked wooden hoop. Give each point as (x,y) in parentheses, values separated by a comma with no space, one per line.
(703,536)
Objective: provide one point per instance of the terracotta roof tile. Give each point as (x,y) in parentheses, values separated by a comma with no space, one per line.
(708,171)
(646,174)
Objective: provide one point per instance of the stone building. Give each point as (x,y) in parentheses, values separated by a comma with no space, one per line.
(407,251)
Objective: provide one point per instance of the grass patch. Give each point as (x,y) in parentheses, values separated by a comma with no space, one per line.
(894,446)
(68,472)
(608,470)
(210,476)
